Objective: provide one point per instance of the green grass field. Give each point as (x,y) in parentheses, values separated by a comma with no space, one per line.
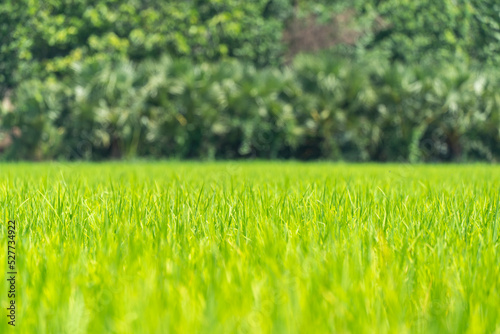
(253,247)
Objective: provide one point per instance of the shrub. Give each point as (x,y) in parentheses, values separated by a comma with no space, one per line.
(321,107)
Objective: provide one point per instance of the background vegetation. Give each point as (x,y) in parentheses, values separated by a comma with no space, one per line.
(355,80)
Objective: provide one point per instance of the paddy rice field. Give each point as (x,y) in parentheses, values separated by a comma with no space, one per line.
(252,247)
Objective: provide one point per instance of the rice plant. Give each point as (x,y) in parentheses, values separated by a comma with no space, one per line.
(253,247)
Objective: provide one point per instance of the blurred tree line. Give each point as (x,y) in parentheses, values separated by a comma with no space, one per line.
(357,80)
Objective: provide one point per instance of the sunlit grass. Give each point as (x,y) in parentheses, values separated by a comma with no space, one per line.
(253,247)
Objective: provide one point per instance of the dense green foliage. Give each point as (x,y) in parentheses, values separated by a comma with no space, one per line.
(254,248)
(95,79)
(357,110)
(436,31)
(43,38)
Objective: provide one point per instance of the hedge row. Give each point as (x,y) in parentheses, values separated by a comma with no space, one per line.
(318,108)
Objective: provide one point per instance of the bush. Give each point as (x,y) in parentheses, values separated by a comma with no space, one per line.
(319,108)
